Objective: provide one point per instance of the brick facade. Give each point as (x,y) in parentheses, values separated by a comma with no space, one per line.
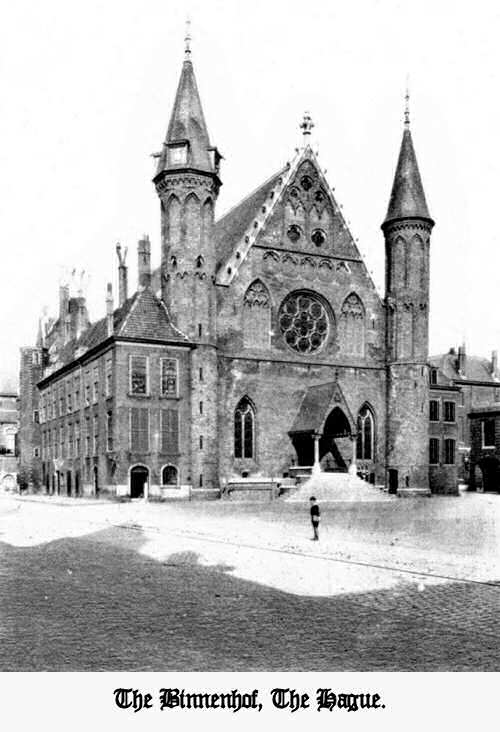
(286,355)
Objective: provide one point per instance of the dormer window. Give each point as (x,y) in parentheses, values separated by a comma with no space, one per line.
(177,153)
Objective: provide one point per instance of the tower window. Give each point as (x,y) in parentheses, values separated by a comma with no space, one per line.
(200,330)
(433,376)
(244,429)
(201,442)
(201,374)
(201,407)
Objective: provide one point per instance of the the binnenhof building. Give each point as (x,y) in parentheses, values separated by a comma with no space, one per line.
(259,347)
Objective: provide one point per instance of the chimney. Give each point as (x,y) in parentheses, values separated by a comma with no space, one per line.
(63,304)
(109,309)
(82,320)
(122,275)
(144,262)
(494,362)
(461,361)
(67,328)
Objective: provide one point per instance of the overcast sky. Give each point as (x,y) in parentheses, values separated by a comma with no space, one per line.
(87,89)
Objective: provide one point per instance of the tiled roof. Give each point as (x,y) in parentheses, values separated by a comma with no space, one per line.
(476,368)
(142,316)
(407,197)
(232,226)
(312,411)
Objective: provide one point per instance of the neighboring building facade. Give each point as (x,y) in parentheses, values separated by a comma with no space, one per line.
(470,382)
(260,344)
(9,425)
(485,448)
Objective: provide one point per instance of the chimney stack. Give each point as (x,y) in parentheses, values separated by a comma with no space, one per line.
(461,359)
(144,261)
(494,362)
(122,275)
(81,316)
(109,309)
(63,303)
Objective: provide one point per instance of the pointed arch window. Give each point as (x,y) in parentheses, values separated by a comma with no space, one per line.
(256,316)
(366,435)
(244,429)
(352,323)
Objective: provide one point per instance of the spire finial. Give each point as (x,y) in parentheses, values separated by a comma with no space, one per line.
(407,104)
(306,125)
(187,40)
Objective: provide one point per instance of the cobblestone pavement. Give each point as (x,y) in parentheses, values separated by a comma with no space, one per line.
(219,588)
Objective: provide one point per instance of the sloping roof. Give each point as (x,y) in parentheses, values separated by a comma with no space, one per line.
(187,122)
(148,319)
(476,368)
(230,228)
(142,316)
(407,197)
(316,405)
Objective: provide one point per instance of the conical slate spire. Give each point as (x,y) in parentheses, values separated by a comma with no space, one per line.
(187,125)
(407,197)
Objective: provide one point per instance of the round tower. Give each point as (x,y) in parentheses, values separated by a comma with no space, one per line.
(407,230)
(187,182)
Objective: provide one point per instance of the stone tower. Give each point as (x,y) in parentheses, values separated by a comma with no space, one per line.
(407,229)
(187,182)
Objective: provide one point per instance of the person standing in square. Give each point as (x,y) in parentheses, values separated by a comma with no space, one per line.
(314,517)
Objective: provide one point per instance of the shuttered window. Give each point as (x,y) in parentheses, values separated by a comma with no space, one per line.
(170,430)
(139,429)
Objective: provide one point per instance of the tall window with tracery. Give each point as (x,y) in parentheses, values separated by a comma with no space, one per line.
(352,326)
(256,316)
(244,429)
(365,437)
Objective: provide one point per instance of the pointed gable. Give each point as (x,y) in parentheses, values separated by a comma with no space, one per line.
(298,188)
(407,197)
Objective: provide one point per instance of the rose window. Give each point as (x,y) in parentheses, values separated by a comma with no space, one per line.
(304,322)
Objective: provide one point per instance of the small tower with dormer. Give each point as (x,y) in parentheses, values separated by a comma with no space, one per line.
(407,230)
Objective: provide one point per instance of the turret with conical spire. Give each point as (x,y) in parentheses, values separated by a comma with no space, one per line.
(187,182)
(407,228)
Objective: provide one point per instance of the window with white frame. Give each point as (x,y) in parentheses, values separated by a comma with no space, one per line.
(488,433)
(449,452)
(139,429)
(138,375)
(95,434)
(169,377)
(434,451)
(449,411)
(434,410)
(109,377)
(109,431)
(95,384)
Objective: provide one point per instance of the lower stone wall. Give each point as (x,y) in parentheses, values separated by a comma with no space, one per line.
(443,480)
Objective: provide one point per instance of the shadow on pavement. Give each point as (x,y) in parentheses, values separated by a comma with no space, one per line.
(95,603)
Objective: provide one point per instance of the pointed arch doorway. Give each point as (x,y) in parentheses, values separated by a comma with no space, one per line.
(324,432)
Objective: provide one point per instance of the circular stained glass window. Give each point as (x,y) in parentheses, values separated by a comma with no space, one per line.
(304,322)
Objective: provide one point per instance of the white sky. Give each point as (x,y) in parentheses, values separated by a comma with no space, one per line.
(87,89)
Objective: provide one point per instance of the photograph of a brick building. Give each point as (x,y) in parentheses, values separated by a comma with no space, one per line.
(259,350)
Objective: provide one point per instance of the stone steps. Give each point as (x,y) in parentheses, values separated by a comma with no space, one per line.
(338,487)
